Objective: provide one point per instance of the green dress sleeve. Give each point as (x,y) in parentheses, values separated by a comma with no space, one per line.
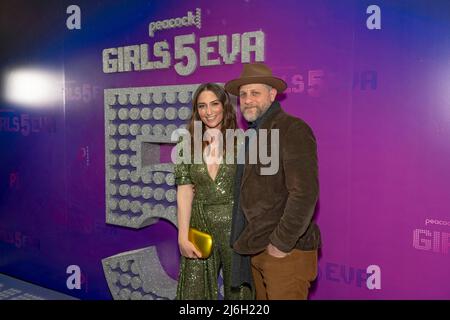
(182,171)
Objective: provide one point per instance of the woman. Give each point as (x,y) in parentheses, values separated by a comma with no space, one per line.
(210,209)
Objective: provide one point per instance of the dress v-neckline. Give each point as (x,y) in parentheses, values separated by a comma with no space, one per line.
(218,170)
(209,175)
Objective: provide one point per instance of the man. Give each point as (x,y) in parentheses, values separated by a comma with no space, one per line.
(272,216)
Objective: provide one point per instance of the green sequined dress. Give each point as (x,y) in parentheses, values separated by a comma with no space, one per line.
(211,212)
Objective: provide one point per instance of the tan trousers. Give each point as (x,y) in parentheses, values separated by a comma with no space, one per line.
(285,278)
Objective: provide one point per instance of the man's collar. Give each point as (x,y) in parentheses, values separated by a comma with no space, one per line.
(258,122)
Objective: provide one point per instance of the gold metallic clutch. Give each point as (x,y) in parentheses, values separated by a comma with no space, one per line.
(202,241)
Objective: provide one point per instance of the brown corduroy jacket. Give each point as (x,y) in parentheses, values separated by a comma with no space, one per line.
(279,208)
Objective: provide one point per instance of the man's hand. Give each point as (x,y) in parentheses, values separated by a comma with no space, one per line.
(275,252)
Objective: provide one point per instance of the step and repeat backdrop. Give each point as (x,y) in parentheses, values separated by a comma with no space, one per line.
(92,90)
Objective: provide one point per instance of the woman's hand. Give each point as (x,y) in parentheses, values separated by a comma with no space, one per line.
(188,250)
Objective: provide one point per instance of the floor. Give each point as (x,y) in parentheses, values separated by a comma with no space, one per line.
(15,289)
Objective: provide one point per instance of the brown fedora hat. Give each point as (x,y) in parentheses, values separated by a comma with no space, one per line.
(255,73)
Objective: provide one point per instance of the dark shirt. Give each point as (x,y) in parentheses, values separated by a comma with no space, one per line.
(241,265)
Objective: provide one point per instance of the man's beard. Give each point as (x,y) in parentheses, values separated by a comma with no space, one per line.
(254,116)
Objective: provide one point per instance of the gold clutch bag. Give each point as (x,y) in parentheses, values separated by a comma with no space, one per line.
(202,241)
